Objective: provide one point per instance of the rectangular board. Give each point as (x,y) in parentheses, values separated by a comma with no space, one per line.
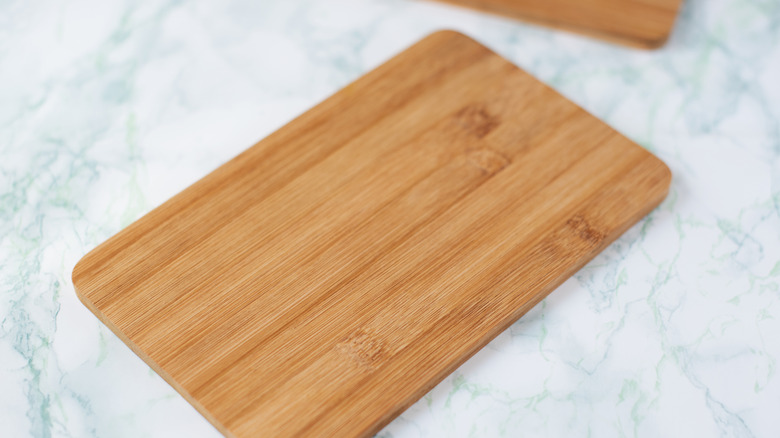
(325,279)
(640,23)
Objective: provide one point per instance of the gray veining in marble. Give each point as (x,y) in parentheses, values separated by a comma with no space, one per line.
(109,108)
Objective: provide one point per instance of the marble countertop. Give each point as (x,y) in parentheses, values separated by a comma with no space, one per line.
(107,109)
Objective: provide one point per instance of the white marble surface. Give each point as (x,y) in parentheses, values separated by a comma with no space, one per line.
(107,109)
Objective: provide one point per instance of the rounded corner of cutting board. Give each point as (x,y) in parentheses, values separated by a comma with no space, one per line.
(654,41)
(449,33)
(664,177)
(79,277)
(447,36)
(660,39)
(667,177)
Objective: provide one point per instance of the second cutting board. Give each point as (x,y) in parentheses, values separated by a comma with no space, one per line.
(326,278)
(641,23)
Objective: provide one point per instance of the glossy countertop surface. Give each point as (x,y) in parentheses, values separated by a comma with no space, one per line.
(107,110)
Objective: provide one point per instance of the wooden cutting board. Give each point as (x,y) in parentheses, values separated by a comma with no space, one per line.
(640,23)
(326,278)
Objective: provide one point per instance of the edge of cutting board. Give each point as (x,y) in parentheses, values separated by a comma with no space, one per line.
(148,360)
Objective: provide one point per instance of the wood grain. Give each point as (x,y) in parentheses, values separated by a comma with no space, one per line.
(639,23)
(326,278)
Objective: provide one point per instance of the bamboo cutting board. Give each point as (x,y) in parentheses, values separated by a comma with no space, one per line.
(326,278)
(640,23)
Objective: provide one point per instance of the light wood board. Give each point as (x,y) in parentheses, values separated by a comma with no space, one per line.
(639,23)
(329,276)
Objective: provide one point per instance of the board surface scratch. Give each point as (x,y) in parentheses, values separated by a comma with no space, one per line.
(325,279)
